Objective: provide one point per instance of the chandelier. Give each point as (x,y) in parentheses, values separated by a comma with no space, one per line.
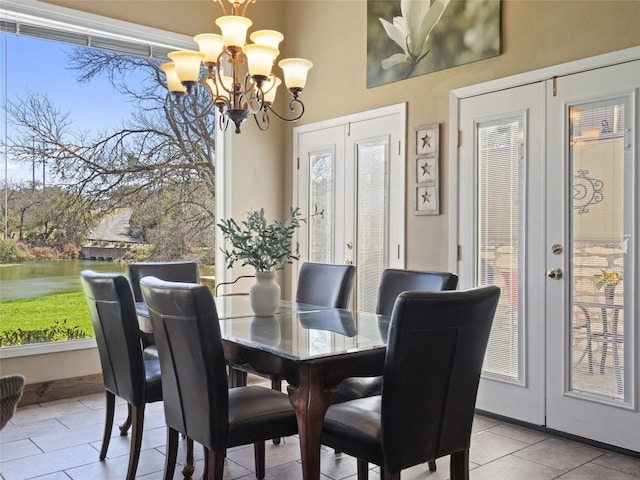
(232,76)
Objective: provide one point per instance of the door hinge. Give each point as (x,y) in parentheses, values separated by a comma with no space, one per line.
(459,253)
(555,86)
(298,163)
(348,129)
(399,147)
(459,138)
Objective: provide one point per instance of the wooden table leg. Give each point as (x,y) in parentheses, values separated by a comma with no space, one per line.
(310,401)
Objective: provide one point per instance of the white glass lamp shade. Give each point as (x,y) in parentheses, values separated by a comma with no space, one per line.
(260,59)
(173,82)
(295,71)
(270,89)
(211,45)
(187,65)
(270,38)
(221,92)
(234,30)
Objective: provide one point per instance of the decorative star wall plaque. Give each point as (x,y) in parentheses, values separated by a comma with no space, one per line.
(426,167)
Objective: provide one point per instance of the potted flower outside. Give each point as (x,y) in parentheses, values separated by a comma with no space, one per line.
(608,281)
(266,247)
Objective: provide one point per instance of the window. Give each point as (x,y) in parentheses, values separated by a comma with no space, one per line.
(47,119)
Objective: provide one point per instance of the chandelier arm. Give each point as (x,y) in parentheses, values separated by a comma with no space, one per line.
(293,106)
(263,122)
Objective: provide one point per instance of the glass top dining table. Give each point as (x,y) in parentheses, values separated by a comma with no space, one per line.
(312,347)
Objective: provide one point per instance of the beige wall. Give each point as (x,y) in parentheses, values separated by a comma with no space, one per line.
(332,34)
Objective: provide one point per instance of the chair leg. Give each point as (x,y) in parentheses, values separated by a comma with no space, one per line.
(124,428)
(363,470)
(189,463)
(460,465)
(276,384)
(137,421)
(389,476)
(172,453)
(432,465)
(213,465)
(258,454)
(108,424)
(237,378)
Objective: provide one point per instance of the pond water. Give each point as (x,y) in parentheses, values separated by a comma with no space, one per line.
(38,279)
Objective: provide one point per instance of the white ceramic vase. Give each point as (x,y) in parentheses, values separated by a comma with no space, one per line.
(264,294)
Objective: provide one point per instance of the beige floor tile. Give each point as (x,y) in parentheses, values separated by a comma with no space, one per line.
(559,453)
(621,463)
(18,449)
(49,462)
(487,446)
(514,468)
(591,471)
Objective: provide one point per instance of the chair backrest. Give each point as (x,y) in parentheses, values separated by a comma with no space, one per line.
(395,281)
(325,284)
(115,323)
(194,379)
(187,272)
(436,347)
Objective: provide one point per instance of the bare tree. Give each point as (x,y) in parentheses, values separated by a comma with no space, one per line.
(131,164)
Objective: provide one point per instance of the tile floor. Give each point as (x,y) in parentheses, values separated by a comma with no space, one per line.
(61,440)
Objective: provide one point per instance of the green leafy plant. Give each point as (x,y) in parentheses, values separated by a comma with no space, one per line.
(264,246)
(57,332)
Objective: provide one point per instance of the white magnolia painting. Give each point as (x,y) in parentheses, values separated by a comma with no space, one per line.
(406,38)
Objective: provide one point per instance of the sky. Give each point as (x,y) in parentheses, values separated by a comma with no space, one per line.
(39,66)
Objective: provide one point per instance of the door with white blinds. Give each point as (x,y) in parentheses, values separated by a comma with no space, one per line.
(352,170)
(593,219)
(548,211)
(500,228)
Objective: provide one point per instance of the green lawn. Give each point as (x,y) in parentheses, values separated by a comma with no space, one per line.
(68,310)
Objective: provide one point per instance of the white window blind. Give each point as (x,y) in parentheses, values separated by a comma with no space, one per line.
(499,220)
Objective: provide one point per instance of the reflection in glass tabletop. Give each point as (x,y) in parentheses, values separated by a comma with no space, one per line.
(297,331)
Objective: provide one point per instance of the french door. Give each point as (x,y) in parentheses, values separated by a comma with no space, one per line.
(548,178)
(352,170)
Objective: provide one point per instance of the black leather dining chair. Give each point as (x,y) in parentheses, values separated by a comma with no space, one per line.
(435,350)
(188,272)
(325,284)
(321,284)
(392,283)
(197,400)
(127,374)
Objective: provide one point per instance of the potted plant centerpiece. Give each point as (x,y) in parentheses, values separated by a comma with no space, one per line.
(267,247)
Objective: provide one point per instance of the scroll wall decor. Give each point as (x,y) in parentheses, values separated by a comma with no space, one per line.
(427,169)
(406,38)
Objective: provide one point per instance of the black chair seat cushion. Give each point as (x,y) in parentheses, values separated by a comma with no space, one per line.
(153,379)
(358,387)
(256,413)
(354,427)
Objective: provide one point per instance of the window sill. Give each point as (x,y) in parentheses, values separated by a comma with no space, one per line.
(48,347)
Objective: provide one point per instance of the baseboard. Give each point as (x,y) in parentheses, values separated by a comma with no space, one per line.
(61,389)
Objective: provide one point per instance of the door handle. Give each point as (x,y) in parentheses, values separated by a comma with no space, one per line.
(555,273)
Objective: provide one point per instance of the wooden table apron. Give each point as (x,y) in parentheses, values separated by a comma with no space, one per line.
(312,387)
